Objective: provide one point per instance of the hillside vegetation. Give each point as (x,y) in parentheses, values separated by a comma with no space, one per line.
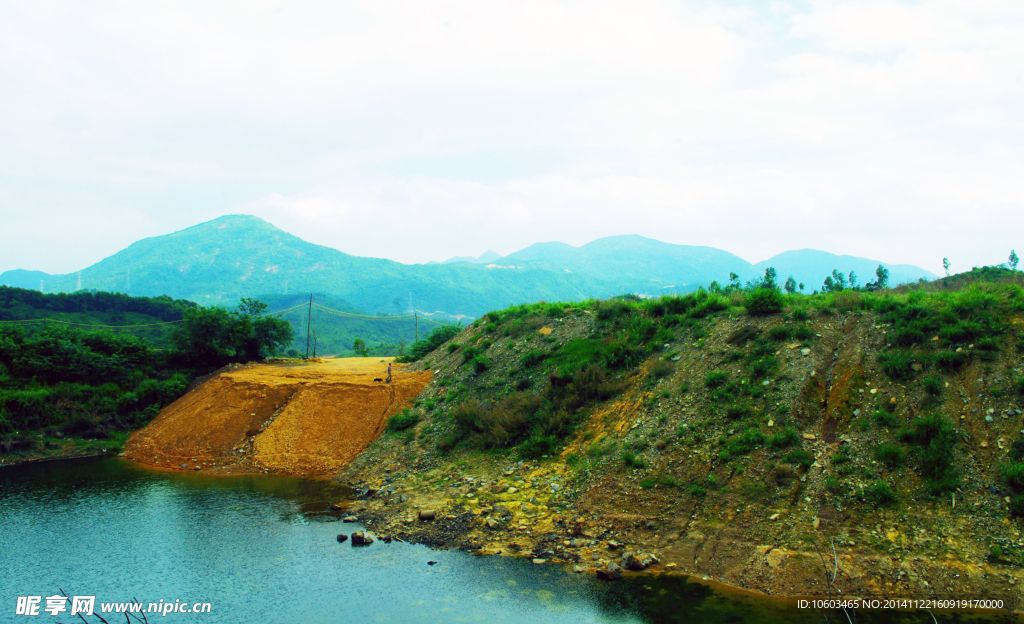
(68,388)
(731,434)
(96,309)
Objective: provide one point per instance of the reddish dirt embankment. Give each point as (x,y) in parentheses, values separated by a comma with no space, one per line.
(300,419)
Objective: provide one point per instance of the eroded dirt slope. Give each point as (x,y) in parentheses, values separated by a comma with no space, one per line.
(302,419)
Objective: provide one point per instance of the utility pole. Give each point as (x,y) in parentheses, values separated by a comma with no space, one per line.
(309,317)
(417,317)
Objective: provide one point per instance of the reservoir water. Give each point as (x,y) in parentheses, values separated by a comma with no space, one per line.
(263,549)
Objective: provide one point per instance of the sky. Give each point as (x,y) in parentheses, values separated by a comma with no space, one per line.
(418,131)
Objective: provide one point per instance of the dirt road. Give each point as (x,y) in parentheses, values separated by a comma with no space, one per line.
(300,419)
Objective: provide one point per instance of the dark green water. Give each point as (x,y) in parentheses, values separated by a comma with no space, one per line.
(263,549)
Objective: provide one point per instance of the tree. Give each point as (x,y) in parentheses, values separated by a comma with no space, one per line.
(791,285)
(881,279)
(769,278)
(251,307)
(1012,263)
(212,337)
(853,279)
(945,265)
(359,346)
(734,281)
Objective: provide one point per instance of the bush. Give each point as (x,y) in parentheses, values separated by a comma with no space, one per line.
(538,446)
(951,360)
(763,301)
(779,333)
(935,439)
(880,494)
(738,411)
(633,461)
(784,438)
(800,457)
(403,420)
(907,337)
(800,314)
(761,367)
(884,418)
(715,379)
(480,364)
(890,454)
(533,357)
(1013,474)
(932,385)
(896,364)
(746,442)
(453,347)
(698,491)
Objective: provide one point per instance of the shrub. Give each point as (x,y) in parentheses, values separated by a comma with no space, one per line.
(1019,385)
(453,347)
(935,439)
(738,411)
(403,420)
(800,457)
(896,364)
(951,360)
(907,337)
(698,491)
(533,357)
(763,301)
(884,418)
(538,446)
(784,438)
(746,442)
(469,353)
(684,388)
(799,314)
(480,364)
(633,461)
(890,454)
(803,332)
(880,494)
(833,485)
(962,331)
(932,385)
(715,379)
(1013,474)
(761,367)
(779,333)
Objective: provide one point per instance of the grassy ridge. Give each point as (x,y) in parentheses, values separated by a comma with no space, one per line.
(520,391)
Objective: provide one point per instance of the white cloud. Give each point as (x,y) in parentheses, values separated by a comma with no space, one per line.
(423,130)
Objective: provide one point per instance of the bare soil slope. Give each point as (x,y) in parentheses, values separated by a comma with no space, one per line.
(302,419)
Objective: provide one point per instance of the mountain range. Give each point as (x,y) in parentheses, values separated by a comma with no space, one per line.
(235,256)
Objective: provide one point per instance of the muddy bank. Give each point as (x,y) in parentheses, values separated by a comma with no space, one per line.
(301,419)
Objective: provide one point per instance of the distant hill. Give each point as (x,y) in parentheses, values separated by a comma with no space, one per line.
(20,278)
(240,255)
(217,262)
(811,267)
(485,258)
(639,264)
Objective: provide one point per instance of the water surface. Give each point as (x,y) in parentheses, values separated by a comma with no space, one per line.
(263,549)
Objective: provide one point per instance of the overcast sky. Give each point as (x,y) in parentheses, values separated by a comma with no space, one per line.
(422,130)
